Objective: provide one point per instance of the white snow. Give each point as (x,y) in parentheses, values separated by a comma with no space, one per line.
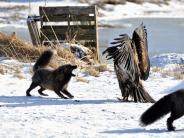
(175,9)
(94,112)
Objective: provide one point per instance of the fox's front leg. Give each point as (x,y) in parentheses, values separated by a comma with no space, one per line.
(65,91)
(32,86)
(60,95)
(40,91)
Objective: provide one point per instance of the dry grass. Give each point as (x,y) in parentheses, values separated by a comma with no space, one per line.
(177,72)
(179,76)
(2,71)
(156,69)
(19,75)
(13,47)
(101,67)
(176,75)
(8,69)
(92,71)
(96,69)
(81,79)
(11,69)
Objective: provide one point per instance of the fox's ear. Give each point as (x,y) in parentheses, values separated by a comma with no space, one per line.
(73,75)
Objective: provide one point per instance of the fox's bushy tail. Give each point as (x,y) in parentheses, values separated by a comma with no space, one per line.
(43,60)
(156,111)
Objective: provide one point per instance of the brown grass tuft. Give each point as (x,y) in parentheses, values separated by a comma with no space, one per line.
(156,69)
(15,70)
(13,47)
(176,72)
(92,71)
(81,79)
(19,75)
(101,67)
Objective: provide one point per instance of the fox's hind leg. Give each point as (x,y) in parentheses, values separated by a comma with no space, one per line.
(40,91)
(32,86)
(65,91)
(175,114)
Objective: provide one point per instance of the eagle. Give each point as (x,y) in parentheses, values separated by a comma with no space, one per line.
(131,64)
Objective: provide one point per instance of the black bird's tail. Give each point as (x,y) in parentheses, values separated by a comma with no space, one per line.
(156,111)
(135,91)
(141,95)
(43,60)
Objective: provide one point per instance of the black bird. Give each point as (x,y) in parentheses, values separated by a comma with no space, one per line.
(131,64)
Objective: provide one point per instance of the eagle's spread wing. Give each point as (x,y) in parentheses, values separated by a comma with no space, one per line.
(123,57)
(140,39)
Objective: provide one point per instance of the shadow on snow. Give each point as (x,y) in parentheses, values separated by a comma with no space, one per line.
(22,101)
(132,131)
(139,130)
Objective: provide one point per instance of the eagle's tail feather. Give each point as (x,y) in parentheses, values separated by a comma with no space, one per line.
(136,92)
(144,96)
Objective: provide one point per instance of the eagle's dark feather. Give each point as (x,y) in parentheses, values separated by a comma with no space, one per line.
(131,63)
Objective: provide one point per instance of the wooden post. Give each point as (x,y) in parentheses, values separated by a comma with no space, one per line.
(33,31)
(97,44)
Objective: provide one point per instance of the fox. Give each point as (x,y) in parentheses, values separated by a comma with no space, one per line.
(173,103)
(53,79)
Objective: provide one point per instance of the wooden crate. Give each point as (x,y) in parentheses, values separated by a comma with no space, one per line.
(69,23)
(65,24)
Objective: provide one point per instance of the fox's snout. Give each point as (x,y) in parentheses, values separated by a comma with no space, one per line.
(74,66)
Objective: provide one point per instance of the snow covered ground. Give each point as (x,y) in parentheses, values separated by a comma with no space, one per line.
(94,112)
(175,9)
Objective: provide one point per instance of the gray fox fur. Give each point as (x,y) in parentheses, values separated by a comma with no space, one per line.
(53,79)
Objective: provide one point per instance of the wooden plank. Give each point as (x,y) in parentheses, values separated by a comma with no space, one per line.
(55,18)
(84,32)
(63,36)
(65,28)
(71,31)
(74,10)
(61,18)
